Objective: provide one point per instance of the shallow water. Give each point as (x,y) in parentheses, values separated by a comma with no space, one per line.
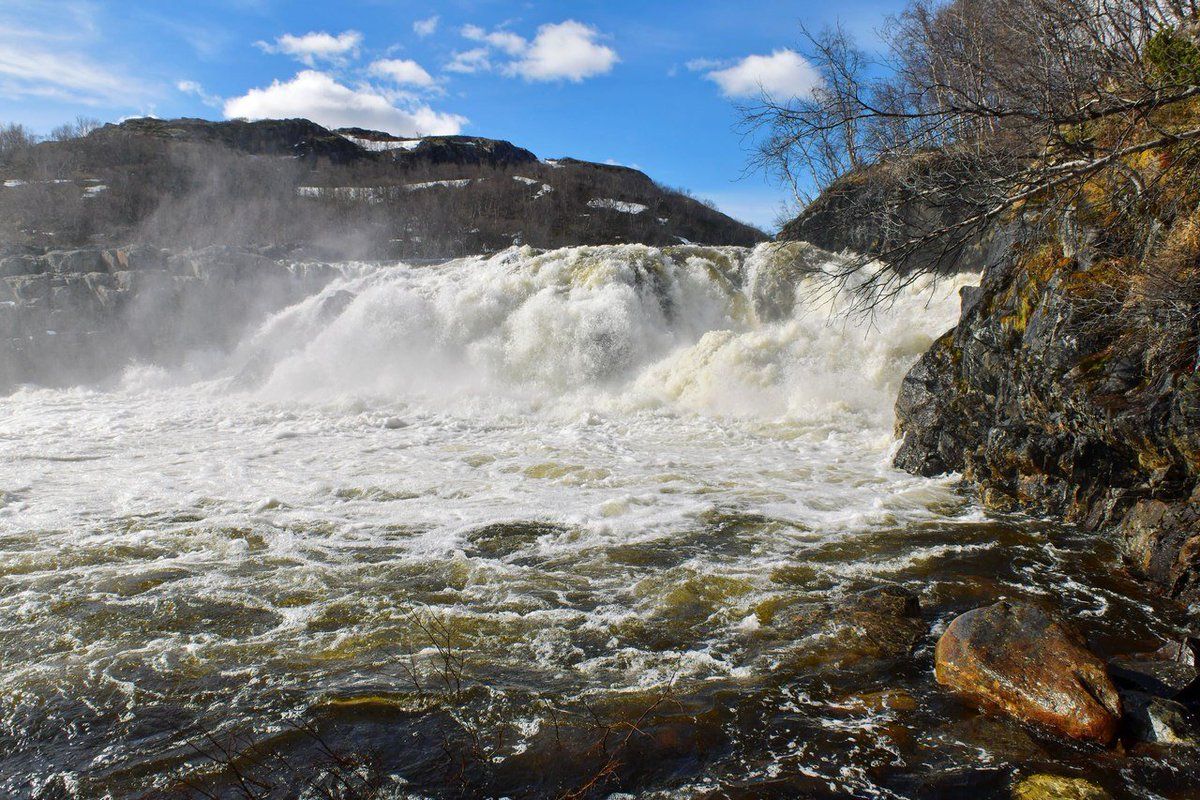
(527,526)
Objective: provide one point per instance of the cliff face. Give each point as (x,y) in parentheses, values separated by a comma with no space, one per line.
(1069,389)
(76,316)
(1070,386)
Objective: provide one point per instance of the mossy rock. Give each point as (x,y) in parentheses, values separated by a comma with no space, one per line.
(1058,787)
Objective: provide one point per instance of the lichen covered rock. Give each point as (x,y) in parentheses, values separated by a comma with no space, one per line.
(1055,395)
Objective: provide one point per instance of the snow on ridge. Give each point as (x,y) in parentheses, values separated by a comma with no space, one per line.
(372,194)
(376,146)
(617,205)
(455,184)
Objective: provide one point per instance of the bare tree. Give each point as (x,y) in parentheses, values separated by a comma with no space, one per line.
(14,139)
(985,110)
(78,129)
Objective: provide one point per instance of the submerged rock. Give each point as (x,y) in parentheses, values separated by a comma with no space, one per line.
(1163,678)
(1058,787)
(1158,720)
(1031,665)
(880,624)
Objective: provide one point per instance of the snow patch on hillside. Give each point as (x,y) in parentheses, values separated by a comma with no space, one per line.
(617,205)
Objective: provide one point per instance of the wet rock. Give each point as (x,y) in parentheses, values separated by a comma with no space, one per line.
(1001,737)
(67,262)
(1031,665)
(1033,403)
(1158,720)
(1185,651)
(1057,787)
(1167,679)
(882,623)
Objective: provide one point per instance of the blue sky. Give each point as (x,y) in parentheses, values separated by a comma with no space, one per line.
(649,84)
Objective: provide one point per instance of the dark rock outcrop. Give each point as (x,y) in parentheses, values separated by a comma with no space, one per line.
(1032,666)
(1158,720)
(1053,397)
(872,211)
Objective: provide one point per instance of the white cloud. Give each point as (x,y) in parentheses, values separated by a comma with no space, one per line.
(401,71)
(470,61)
(783,74)
(317,96)
(560,51)
(315,46)
(30,71)
(564,51)
(194,88)
(702,64)
(426,27)
(507,41)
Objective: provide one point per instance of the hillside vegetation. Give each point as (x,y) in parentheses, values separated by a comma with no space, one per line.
(292,185)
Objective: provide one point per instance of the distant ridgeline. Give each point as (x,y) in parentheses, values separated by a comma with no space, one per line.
(296,186)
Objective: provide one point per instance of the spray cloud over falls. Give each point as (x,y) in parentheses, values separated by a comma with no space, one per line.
(709,330)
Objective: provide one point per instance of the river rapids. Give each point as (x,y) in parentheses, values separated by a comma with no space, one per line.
(529,525)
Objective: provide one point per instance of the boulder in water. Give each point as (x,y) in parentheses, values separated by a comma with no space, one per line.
(1158,720)
(1032,665)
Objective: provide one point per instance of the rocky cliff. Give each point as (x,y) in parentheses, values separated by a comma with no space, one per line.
(1047,402)
(1070,386)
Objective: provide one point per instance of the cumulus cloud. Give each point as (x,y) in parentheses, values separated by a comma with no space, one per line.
(469,62)
(507,41)
(426,27)
(317,96)
(783,74)
(315,46)
(564,51)
(402,71)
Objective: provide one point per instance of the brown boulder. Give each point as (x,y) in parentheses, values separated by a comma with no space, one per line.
(1031,665)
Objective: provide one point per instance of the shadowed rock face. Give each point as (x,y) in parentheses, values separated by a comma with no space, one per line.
(1031,665)
(874,211)
(1044,408)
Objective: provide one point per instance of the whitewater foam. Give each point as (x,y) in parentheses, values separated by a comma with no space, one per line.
(559,452)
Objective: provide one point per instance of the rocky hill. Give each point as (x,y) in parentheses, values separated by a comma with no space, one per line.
(295,186)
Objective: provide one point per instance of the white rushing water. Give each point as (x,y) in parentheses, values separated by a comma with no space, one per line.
(620,389)
(267,517)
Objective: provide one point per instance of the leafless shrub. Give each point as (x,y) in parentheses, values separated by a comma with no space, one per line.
(985,110)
